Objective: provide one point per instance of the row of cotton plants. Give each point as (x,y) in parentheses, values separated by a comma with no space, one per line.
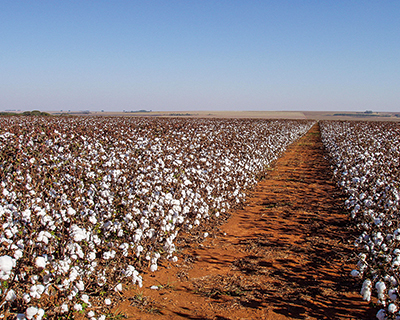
(365,157)
(88,204)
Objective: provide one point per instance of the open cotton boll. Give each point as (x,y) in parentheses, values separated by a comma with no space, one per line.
(77,307)
(381,315)
(91,314)
(380,287)
(11,296)
(366,290)
(26,297)
(31,312)
(118,287)
(392,308)
(64,308)
(85,298)
(392,294)
(80,285)
(6,265)
(41,262)
(153,268)
(355,273)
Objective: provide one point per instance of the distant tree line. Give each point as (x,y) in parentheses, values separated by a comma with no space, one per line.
(26,113)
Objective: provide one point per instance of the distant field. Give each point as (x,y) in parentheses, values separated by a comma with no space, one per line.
(318,115)
(314,115)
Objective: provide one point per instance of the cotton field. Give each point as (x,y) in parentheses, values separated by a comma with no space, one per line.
(365,157)
(87,204)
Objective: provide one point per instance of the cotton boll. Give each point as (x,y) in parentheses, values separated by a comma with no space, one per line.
(90,314)
(80,285)
(118,287)
(381,287)
(355,273)
(40,262)
(18,254)
(11,296)
(381,315)
(77,307)
(85,298)
(64,308)
(91,256)
(153,268)
(107,302)
(40,314)
(6,265)
(31,312)
(26,297)
(392,308)
(366,290)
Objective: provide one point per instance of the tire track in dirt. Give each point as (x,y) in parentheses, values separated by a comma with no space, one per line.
(285,255)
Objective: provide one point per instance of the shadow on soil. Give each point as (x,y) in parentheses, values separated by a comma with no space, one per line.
(298,259)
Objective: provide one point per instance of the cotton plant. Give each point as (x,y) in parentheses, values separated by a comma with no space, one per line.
(365,161)
(88,204)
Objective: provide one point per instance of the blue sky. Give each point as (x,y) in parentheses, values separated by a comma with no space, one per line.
(182,55)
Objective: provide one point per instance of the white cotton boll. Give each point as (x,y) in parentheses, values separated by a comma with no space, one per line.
(80,285)
(392,294)
(174,259)
(355,273)
(6,265)
(366,290)
(77,307)
(392,308)
(107,302)
(26,297)
(18,254)
(380,287)
(381,315)
(106,255)
(40,262)
(85,298)
(118,287)
(71,211)
(78,233)
(91,256)
(153,268)
(40,288)
(31,312)
(40,314)
(93,219)
(11,296)
(90,314)
(64,308)
(102,317)
(206,234)
(154,287)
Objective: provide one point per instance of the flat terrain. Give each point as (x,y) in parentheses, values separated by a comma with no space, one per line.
(315,115)
(285,255)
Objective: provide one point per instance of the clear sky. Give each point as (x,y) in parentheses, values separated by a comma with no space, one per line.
(181,55)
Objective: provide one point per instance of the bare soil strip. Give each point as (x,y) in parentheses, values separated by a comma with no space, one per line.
(283,256)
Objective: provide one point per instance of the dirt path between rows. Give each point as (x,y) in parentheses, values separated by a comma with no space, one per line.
(285,255)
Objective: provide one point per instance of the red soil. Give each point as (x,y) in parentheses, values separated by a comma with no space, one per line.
(285,255)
